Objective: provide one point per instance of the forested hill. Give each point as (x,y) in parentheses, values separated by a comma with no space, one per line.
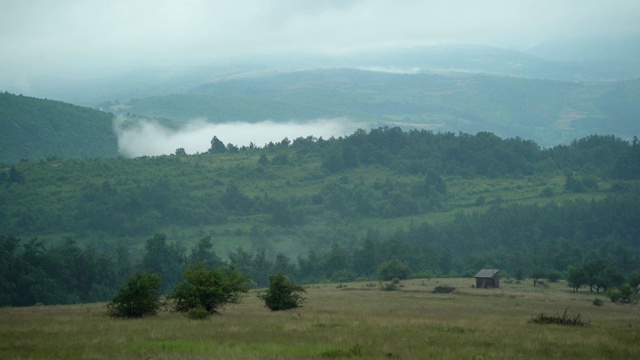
(317,209)
(384,173)
(547,112)
(36,129)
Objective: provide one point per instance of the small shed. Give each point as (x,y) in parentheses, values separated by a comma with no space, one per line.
(488,278)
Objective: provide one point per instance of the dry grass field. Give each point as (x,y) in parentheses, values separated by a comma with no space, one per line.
(342,321)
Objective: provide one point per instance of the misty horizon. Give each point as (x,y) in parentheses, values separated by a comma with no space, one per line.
(49,46)
(120,55)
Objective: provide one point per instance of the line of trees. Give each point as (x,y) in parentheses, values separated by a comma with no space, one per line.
(482,154)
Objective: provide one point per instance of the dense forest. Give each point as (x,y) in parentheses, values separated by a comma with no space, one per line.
(375,204)
(35,129)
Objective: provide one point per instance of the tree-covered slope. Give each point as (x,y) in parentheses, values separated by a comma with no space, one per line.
(317,209)
(548,112)
(36,129)
(381,174)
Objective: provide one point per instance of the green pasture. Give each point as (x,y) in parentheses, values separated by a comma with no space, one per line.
(354,320)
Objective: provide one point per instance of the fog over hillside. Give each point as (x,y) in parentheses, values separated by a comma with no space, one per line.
(148,137)
(154,58)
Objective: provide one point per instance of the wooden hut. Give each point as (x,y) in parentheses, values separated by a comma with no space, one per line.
(488,278)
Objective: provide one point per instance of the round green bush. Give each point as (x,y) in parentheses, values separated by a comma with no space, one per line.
(140,296)
(198,313)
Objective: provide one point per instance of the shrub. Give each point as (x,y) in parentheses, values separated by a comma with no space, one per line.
(198,313)
(634,281)
(393,268)
(557,319)
(283,294)
(208,289)
(140,296)
(614,295)
(388,287)
(623,294)
(597,302)
(443,289)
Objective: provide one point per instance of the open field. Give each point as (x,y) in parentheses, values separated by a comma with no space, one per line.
(342,321)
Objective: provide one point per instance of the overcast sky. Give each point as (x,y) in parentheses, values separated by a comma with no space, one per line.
(38,36)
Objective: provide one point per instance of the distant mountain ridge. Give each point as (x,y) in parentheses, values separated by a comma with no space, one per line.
(565,61)
(499,61)
(548,112)
(623,48)
(35,129)
(448,87)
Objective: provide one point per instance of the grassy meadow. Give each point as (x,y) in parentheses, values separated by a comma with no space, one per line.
(353,320)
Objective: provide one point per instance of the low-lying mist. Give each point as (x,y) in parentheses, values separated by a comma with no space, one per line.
(150,138)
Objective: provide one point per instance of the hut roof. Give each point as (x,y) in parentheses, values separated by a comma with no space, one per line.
(487,273)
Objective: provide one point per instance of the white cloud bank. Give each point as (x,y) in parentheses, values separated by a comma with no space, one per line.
(150,138)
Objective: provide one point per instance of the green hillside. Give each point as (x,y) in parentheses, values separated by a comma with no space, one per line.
(548,112)
(36,129)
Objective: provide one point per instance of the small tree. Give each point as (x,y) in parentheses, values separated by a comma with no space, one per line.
(217,146)
(536,274)
(140,296)
(283,294)
(264,160)
(634,281)
(15,176)
(623,294)
(208,289)
(392,269)
(576,277)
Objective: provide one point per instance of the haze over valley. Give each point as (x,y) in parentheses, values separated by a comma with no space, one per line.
(545,71)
